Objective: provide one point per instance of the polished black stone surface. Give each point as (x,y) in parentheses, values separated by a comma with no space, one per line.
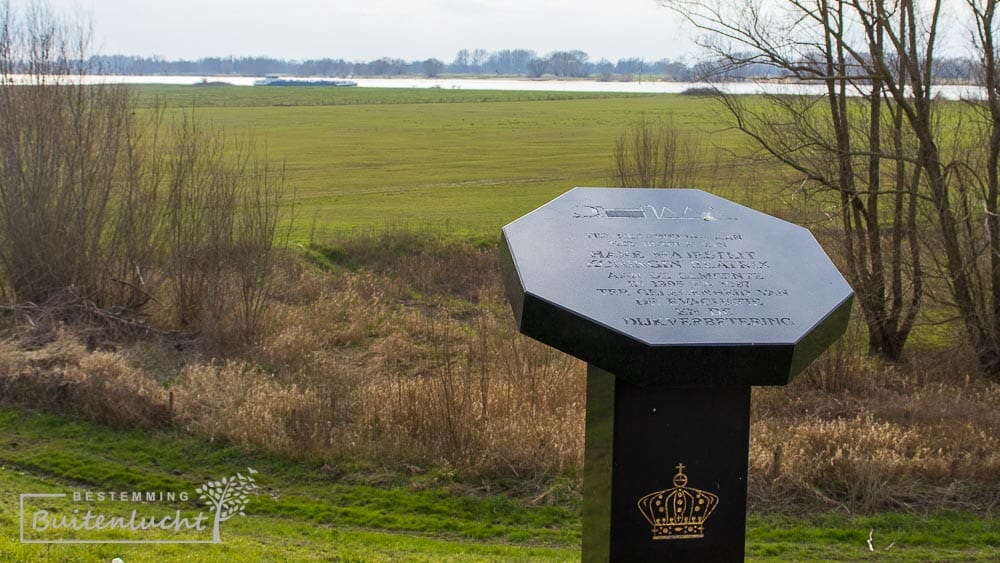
(673,287)
(665,474)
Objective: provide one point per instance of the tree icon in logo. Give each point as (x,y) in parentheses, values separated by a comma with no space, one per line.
(227,498)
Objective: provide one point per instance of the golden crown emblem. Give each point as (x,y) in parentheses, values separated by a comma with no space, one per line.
(680,512)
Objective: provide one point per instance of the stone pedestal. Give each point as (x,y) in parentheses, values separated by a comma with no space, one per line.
(679,301)
(663,467)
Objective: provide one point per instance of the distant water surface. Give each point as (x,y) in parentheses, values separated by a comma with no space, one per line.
(952,92)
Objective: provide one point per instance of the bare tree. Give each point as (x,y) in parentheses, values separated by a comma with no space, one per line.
(887,155)
(479,58)
(978,299)
(462,62)
(849,142)
(537,67)
(568,63)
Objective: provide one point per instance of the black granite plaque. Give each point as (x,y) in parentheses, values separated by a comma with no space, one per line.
(679,301)
(673,286)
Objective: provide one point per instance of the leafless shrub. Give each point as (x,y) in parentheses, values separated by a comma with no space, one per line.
(108,212)
(654,154)
(70,181)
(220,221)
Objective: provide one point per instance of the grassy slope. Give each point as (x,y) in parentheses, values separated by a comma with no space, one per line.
(304,511)
(324,513)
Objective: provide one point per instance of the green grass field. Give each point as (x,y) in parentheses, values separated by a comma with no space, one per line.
(464,161)
(349,513)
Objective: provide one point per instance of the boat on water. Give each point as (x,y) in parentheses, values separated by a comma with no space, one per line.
(275,80)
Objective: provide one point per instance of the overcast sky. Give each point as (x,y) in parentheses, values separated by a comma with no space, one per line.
(370,29)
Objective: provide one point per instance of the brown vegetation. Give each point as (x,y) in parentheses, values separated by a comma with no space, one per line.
(403,354)
(109,215)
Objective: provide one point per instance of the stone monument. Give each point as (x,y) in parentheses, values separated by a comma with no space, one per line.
(679,301)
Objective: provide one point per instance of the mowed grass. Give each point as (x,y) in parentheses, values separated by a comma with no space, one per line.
(464,161)
(303,512)
(307,512)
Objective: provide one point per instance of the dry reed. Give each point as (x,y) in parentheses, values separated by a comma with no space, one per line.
(390,366)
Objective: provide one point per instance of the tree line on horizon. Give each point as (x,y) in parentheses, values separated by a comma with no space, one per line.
(506,62)
(476,62)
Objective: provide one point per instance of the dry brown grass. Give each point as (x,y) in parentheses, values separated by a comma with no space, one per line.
(861,436)
(63,376)
(396,359)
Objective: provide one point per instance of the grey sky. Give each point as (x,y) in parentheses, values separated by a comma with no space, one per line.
(369,29)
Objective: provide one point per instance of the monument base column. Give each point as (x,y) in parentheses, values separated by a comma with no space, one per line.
(665,471)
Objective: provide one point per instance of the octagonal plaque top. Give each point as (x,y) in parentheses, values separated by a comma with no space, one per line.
(673,287)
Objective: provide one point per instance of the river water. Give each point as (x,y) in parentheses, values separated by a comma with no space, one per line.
(952,92)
